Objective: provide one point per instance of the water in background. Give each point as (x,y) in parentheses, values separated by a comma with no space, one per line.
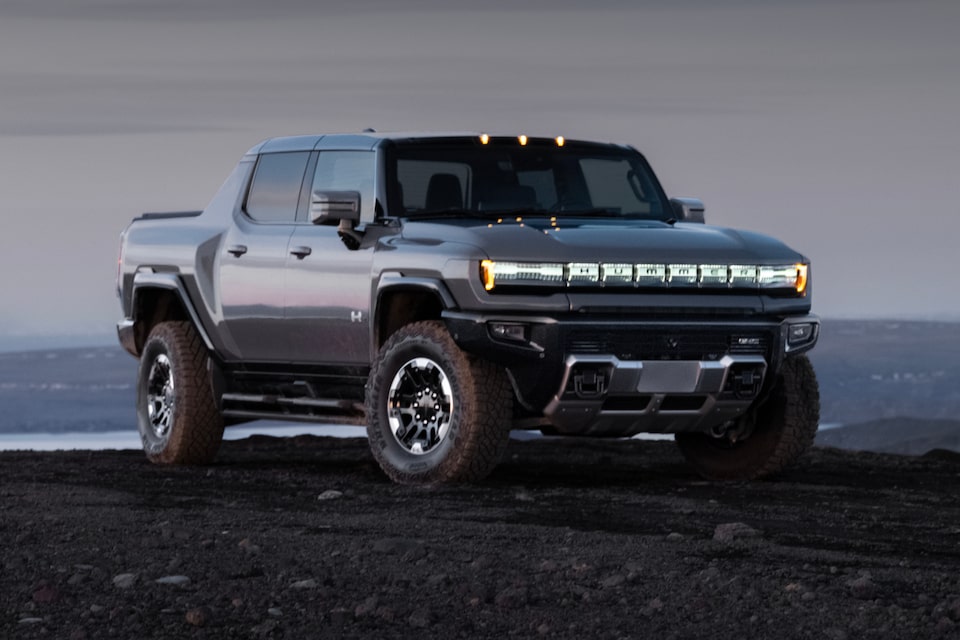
(868,370)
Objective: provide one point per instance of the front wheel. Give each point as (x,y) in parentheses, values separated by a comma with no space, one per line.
(434,413)
(176,413)
(784,428)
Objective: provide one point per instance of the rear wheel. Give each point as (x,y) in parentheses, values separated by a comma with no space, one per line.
(784,428)
(435,414)
(176,413)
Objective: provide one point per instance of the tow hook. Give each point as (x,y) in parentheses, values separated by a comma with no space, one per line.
(589,384)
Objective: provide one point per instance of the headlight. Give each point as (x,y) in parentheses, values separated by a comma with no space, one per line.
(644,275)
(520,273)
(792,276)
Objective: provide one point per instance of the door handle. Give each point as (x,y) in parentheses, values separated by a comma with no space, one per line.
(301,252)
(237,250)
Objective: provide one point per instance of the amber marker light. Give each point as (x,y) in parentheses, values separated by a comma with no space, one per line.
(523,141)
(487,274)
(801,278)
(560,141)
(484,138)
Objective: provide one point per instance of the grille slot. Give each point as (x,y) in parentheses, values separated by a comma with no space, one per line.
(646,344)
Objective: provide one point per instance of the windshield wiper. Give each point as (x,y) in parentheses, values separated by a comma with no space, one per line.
(474,213)
(519,211)
(452,212)
(589,213)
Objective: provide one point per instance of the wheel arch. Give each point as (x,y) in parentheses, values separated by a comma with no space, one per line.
(159,297)
(403,300)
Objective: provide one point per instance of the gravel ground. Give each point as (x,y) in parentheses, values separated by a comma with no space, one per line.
(305,538)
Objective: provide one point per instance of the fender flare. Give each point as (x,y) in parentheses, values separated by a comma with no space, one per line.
(170,282)
(394,281)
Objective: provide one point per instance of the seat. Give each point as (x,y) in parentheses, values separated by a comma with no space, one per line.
(515,196)
(443,193)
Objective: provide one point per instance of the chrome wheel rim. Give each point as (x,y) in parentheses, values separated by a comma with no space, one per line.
(420,406)
(160,397)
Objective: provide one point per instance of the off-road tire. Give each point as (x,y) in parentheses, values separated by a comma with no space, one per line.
(191,428)
(785,427)
(479,422)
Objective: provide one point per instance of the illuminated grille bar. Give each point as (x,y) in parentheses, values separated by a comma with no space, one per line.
(644,275)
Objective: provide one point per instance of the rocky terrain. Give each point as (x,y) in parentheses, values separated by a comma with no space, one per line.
(305,538)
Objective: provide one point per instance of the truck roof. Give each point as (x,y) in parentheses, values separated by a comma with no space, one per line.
(369,139)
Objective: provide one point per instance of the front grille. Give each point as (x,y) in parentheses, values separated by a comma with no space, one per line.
(668,344)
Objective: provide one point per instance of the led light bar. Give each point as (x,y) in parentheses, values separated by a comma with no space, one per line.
(520,273)
(645,275)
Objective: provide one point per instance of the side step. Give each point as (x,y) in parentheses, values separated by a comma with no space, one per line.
(274,407)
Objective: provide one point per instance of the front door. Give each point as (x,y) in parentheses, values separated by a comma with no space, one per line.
(328,286)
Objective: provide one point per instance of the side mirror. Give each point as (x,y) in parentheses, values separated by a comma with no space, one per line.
(339,205)
(688,209)
(335,205)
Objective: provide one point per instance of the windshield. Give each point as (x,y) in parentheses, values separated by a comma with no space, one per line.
(437,178)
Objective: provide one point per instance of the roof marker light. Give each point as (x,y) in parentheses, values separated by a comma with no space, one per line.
(484,138)
(560,141)
(523,141)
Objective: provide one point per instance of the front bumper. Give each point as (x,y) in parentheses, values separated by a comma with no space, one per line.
(622,377)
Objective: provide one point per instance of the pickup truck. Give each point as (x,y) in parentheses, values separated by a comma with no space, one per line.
(443,289)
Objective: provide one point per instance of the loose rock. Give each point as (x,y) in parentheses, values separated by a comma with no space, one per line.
(734,531)
(124,580)
(304,584)
(199,617)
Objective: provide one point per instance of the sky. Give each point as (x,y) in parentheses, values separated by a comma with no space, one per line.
(830,125)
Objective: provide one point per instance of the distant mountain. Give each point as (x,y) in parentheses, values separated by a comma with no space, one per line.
(18,344)
(909,436)
(871,369)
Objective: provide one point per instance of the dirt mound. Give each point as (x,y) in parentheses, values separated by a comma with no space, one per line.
(305,538)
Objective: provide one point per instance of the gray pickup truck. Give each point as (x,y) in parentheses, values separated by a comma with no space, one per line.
(444,289)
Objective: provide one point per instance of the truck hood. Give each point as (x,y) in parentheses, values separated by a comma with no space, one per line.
(603,240)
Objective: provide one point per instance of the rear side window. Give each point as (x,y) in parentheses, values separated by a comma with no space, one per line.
(275,191)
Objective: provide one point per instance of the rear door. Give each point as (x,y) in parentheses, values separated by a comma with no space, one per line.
(328,286)
(254,258)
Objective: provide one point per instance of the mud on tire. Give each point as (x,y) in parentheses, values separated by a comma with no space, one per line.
(786,424)
(177,416)
(434,413)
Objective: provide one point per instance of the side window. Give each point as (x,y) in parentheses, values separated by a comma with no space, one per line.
(613,184)
(275,190)
(349,171)
(415,177)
